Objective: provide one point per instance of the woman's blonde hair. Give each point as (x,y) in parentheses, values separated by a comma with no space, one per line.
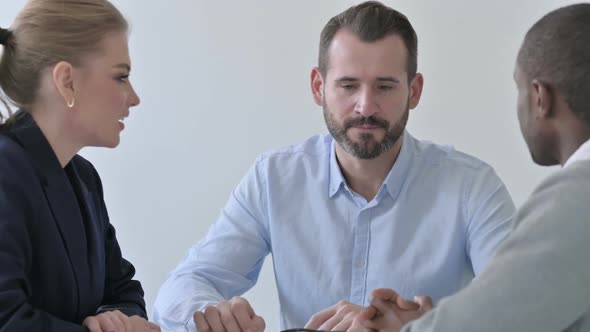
(45,33)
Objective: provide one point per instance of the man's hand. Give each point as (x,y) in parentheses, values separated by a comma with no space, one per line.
(339,317)
(389,312)
(116,321)
(235,315)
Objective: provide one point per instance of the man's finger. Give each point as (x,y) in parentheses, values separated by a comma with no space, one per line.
(243,303)
(227,318)
(384,306)
(345,324)
(366,314)
(386,294)
(201,322)
(404,304)
(425,302)
(320,318)
(329,324)
(258,324)
(370,324)
(214,319)
(243,313)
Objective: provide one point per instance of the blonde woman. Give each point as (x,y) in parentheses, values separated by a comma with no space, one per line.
(65,65)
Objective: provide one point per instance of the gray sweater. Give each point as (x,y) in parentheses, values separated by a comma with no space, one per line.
(540,278)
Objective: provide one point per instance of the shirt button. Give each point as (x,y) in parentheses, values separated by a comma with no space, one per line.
(360,264)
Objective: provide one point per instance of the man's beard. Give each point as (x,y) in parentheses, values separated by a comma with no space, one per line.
(367,147)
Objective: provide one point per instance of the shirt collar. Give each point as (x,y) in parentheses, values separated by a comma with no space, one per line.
(582,153)
(394,180)
(399,172)
(336,178)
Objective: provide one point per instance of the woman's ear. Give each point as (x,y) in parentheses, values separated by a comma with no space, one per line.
(63,78)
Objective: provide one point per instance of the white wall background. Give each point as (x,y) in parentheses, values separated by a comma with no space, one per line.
(222,81)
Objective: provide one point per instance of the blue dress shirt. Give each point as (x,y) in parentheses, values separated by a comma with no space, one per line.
(432,227)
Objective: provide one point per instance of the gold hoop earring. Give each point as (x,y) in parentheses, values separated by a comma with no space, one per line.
(71,104)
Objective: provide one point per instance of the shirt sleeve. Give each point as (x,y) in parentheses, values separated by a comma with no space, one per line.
(489,212)
(539,279)
(226,263)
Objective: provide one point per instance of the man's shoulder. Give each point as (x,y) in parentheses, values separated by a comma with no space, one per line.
(447,155)
(561,198)
(314,148)
(572,180)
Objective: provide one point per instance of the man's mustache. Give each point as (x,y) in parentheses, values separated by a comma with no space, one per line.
(369,120)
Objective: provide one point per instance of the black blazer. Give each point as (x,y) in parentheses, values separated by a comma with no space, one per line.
(59,258)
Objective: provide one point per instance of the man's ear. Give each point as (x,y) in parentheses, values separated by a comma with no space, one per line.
(542,98)
(416,87)
(317,86)
(63,79)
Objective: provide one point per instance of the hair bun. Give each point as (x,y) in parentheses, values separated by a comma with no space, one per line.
(4,35)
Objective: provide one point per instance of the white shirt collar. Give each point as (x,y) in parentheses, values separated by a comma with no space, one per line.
(582,153)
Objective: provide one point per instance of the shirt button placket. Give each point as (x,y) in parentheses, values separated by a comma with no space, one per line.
(359,266)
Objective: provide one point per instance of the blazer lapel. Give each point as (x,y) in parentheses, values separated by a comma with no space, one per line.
(66,211)
(59,194)
(92,224)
